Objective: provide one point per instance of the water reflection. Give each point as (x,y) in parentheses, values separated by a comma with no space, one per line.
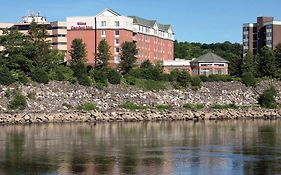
(228,147)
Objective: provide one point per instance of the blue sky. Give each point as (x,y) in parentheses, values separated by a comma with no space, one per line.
(205,21)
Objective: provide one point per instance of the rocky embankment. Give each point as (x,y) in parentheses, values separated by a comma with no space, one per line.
(131,116)
(45,102)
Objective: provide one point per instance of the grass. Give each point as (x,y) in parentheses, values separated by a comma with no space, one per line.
(132,106)
(67,105)
(148,85)
(164,107)
(225,106)
(88,107)
(190,106)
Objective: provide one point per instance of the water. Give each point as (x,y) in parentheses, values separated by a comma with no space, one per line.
(228,147)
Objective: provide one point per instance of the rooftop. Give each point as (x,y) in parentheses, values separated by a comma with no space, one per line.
(209,58)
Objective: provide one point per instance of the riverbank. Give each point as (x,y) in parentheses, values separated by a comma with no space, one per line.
(132,116)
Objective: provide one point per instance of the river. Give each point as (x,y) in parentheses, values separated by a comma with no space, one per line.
(208,147)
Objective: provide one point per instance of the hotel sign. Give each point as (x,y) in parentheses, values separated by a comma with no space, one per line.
(81,26)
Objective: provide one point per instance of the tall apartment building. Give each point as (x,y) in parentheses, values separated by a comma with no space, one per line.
(265,32)
(56,30)
(155,41)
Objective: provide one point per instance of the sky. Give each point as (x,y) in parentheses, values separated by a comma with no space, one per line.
(205,21)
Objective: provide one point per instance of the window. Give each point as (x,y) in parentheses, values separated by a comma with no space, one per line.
(116,41)
(116,32)
(117,23)
(103,33)
(117,50)
(103,23)
(116,59)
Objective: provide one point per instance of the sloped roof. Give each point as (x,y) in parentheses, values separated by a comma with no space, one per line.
(109,10)
(150,23)
(142,21)
(210,58)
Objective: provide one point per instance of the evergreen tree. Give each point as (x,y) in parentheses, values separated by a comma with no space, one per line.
(78,50)
(249,64)
(104,54)
(128,56)
(266,62)
(277,53)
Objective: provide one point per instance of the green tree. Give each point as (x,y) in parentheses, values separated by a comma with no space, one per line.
(277,53)
(266,63)
(128,56)
(249,64)
(104,54)
(78,50)
(267,98)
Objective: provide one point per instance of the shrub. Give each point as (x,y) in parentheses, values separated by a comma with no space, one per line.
(18,102)
(113,76)
(88,107)
(130,80)
(267,98)
(6,77)
(149,85)
(196,82)
(132,106)
(204,78)
(249,79)
(164,107)
(225,78)
(190,106)
(183,79)
(99,75)
(62,73)
(84,80)
(40,76)
(20,77)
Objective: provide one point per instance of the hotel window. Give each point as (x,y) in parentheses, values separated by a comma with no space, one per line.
(103,33)
(116,59)
(117,23)
(116,32)
(117,50)
(103,23)
(116,41)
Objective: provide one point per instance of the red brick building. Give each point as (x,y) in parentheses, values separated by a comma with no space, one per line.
(265,32)
(154,41)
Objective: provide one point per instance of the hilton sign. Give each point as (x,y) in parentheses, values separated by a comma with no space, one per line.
(81,26)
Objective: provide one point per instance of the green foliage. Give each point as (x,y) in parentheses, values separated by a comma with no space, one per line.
(249,64)
(88,107)
(267,98)
(224,78)
(277,53)
(18,102)
(113,76)
(62,73)
(194,107)
(80,72)
(20,76)
(225,106)
(266,63)
(249,79)
(99,75)
(232,52)
(147,71)
(78,50)
(164,107)
(128,56)
(6,77)
(103,54)
(196,82)
(149,85)
(40,76)
(183,79)
(132,106)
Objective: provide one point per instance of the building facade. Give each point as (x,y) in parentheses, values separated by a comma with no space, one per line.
(265,32)
(155,42)
(56,30)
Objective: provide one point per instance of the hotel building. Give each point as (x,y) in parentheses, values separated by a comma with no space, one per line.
(265,32)
(155,41)
(56,30)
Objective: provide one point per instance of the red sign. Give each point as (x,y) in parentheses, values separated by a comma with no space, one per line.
(81,23)
(81,27)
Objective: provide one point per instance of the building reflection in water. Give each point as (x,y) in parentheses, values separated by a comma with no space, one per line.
(227,147)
